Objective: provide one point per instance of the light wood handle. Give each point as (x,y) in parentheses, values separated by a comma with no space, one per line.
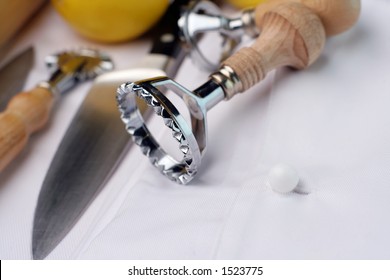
(292,35)
(337,16)
(26,113)
(14,14)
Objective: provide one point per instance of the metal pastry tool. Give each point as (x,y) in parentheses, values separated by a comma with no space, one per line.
(292,35)
(204,18)
(27,112)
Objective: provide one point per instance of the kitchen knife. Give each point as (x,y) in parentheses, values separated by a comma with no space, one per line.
(14,74)
(96,141)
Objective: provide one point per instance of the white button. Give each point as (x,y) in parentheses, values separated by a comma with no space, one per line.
(283,178)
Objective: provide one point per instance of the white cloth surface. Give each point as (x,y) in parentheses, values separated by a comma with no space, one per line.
(331,122)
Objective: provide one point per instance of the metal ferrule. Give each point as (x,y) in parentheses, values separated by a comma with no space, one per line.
(228,80)
(232,27)
(249,23)
(245,24)
(61,82)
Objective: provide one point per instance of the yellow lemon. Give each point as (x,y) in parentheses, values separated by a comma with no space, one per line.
(245,3)
(111,20)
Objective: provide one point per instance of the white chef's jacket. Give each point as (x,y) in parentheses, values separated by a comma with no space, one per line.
(331,122)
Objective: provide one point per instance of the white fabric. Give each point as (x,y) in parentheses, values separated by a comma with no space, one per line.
(330,122)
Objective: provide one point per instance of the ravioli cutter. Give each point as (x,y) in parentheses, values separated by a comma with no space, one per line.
(204,18)
(292,35)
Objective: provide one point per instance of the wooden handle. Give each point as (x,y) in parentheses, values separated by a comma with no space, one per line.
(292,35)
(14,14)
(337,16)
(26,113)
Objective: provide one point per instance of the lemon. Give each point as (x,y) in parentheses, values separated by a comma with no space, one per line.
(245,3)
(111,21)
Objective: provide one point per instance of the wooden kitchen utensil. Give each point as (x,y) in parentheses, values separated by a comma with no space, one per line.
(13,15)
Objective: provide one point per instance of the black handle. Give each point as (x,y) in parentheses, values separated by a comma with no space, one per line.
(167,33)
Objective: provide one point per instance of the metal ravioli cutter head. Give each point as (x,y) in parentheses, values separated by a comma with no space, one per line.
(202,24)
(92,62)
(183,170)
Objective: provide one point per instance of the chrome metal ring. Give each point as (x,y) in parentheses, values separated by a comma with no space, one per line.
(181,171)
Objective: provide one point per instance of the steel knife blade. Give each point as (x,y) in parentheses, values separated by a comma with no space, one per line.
(13,75)
(96,141)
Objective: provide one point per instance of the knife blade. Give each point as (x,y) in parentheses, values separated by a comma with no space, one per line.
(96,141)
(13,75)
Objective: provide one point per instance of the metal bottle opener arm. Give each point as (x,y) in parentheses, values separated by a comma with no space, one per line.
(27,112)
(292,36)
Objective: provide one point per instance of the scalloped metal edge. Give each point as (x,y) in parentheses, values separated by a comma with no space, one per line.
(182,172)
